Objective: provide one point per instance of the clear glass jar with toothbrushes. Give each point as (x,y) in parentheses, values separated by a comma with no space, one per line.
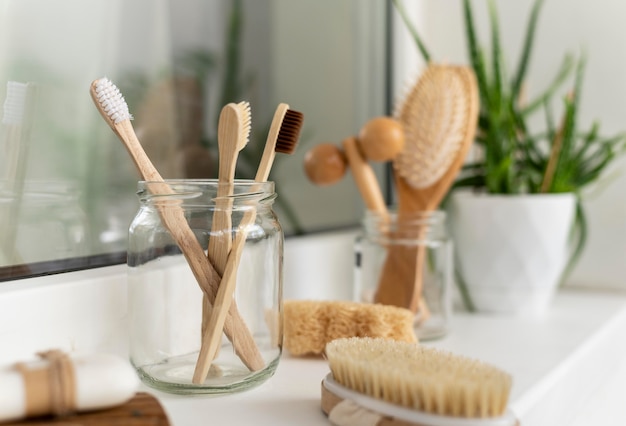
(239,314)
(410,255)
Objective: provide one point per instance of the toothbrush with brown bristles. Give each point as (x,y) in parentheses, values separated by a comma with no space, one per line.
(283,137)
(114,110)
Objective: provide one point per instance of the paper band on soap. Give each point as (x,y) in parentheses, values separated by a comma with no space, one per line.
(51,389)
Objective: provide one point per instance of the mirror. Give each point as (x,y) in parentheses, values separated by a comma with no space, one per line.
(67,185)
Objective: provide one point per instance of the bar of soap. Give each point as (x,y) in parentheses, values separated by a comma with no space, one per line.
(102,381)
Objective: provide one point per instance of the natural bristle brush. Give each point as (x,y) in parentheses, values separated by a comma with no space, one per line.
(113,108)
(283,137)
(388,382)
(439,117)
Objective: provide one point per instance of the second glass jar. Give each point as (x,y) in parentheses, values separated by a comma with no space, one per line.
(180,241)
(403,250)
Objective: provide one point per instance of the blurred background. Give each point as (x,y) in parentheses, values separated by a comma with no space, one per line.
(68,185)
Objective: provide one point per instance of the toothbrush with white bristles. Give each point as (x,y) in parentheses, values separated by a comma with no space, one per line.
(114,110)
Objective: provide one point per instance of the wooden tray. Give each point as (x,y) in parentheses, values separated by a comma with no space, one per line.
(142,410)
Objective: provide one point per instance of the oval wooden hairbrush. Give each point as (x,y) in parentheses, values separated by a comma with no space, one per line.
(439,117)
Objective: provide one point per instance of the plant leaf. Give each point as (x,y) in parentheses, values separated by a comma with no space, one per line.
(578,236)
(231,88)
(526,50)
(496,58)
(566,68)
(476,57)
(416,37)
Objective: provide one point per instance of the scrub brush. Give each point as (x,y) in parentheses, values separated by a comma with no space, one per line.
(310,325)
(408,384)
(114,110)
(283,137)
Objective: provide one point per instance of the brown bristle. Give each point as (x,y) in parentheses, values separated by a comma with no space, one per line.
(289,132)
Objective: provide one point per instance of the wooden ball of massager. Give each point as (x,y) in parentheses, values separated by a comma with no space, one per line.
(325,164)
(381,139)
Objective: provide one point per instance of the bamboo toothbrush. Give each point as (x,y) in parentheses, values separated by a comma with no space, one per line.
(283,137)
(233,131)
(232,136)
(114,110)
(439,117)
(398,383)
(16,122)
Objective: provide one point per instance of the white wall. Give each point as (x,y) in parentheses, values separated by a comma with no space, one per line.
(596,27)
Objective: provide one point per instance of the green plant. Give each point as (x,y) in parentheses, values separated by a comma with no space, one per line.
(515,158)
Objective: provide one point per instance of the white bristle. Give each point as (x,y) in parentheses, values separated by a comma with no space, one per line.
(246,122)
(15,103)
(112,101)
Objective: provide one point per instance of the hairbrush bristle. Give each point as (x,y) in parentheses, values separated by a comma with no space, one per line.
(418,377)
(435,115)
(289,132)
(111,101)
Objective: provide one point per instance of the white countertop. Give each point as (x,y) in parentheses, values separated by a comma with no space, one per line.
(569,367)
(565,367)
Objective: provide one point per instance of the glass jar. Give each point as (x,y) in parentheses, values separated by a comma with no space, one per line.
(41,222)
(170,313)
(402,253)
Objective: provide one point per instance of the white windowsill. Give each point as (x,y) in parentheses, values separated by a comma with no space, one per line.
(569,367)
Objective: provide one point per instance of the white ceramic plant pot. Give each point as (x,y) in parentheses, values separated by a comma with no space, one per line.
(511,250)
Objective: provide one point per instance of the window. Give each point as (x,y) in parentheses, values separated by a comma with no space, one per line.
(67,183)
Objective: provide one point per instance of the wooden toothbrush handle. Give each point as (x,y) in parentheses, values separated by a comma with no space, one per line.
(211,335)
(208,279)
(220,242)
